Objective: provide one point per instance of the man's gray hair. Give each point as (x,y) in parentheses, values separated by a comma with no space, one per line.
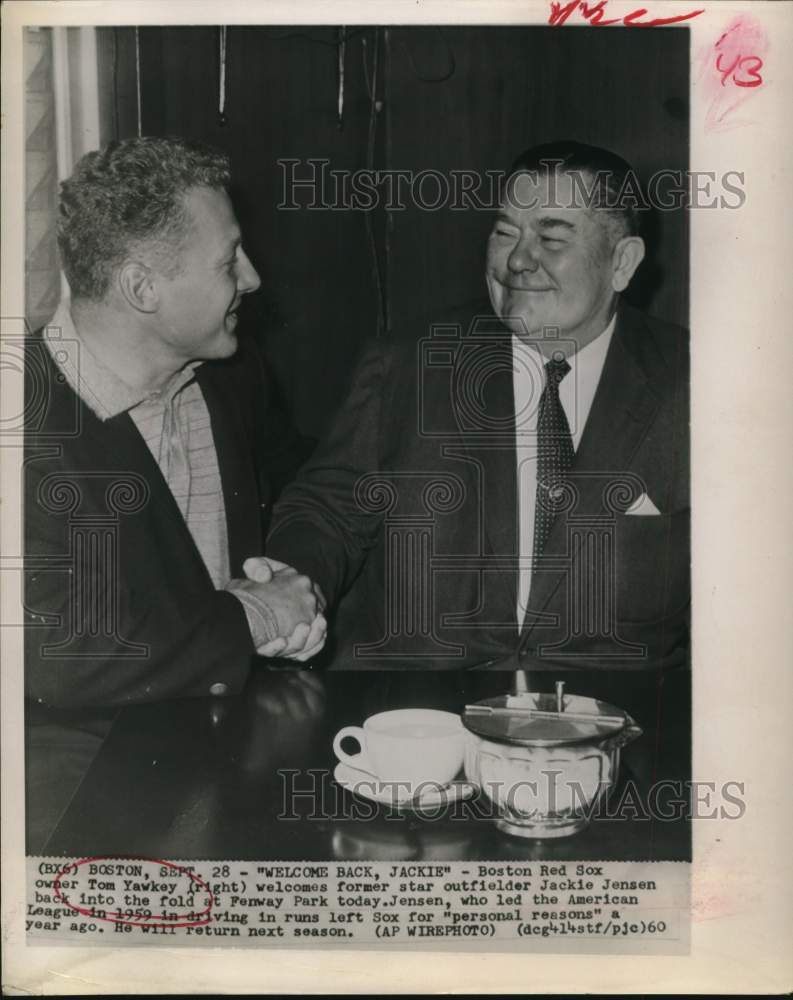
(129,196)
(605,181)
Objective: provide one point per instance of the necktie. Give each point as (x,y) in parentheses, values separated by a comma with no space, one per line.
(554,453)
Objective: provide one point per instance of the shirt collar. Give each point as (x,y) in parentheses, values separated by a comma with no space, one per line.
(590,359)
(576,391)
(101,389)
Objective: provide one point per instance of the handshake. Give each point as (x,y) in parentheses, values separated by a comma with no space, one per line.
(293,601)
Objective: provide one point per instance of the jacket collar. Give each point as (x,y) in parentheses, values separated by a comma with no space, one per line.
(623,410)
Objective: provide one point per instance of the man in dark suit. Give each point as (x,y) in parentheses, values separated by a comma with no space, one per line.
(149,473)
(512,490)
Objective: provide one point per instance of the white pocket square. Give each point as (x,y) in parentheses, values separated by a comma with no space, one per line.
(643,507)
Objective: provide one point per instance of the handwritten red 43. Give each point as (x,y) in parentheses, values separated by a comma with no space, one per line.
(744,70)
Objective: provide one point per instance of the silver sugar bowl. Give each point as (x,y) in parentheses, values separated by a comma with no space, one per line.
(544,760)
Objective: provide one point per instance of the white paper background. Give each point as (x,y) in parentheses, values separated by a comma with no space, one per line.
(742,302)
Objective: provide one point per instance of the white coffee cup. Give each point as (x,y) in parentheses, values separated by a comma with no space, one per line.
(409,747)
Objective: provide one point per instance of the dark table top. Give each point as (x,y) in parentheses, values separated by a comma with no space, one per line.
(210,778)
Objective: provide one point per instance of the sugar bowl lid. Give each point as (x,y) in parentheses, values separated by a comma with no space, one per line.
(533,719)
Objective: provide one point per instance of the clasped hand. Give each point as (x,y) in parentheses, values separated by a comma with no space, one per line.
(297,605)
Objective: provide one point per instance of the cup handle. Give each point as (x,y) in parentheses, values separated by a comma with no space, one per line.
(360,761)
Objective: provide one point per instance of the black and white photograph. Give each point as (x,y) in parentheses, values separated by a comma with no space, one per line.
(355,568)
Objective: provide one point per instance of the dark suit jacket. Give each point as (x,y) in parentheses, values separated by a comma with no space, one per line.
(419,471)
(119,604)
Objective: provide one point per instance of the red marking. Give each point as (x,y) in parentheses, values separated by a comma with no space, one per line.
(594,14)
(738,65)
(118,916)
(752,72)
(734,61)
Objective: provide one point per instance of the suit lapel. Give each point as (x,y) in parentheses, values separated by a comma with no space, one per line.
(491,446)
(621,415)
(624,404)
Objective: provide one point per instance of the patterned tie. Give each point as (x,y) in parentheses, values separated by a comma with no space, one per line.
(554,454)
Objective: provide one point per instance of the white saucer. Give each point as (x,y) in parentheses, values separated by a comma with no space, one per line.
(369,787)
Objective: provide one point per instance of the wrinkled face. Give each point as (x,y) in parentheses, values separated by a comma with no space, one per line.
(551,266)
(197,310)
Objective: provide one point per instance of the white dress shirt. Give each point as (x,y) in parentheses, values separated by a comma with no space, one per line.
(576,392)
